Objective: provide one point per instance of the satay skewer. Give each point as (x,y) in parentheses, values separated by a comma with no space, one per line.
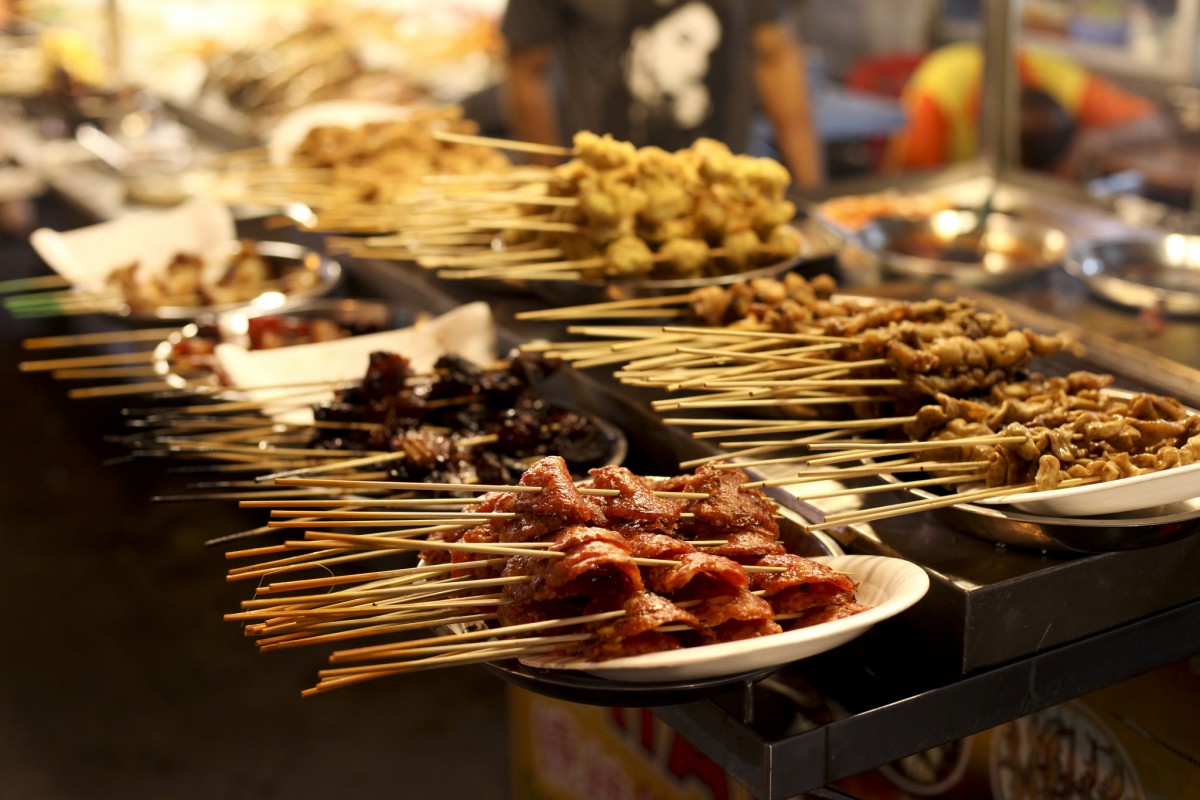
(503,144)
(110,359)
(35,283)
(154,335)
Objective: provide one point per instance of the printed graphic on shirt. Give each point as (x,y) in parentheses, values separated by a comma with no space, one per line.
(667,63)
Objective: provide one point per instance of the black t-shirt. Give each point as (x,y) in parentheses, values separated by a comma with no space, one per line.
(659,72)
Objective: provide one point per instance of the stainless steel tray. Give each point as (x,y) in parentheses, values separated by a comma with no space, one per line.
(1157,271)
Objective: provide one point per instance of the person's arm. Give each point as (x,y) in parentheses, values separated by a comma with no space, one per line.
(782,86)
(529,96)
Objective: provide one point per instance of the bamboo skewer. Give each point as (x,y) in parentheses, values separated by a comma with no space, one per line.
(112,337)
(503,144)
(111,359)
(34,283)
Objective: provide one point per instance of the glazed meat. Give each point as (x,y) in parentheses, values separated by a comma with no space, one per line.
(634,633)
(728,508)
(636,509)
(558,505)
(804,585)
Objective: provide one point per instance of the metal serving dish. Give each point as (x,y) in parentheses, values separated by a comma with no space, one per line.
(239,327)
(1160,271)
(282,257)
(951,244)
(1129,531)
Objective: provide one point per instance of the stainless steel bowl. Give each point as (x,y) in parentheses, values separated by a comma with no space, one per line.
(280,257)
(953,245)
(1153,270)
(356,316)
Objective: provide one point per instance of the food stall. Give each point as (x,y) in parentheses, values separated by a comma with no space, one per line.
(1022,611)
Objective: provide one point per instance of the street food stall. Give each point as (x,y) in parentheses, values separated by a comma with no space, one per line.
(708,486)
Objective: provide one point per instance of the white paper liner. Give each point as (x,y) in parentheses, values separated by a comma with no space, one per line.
(86,256)
(466,331)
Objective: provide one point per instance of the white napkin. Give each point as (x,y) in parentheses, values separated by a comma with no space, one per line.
(86,256)
(466,331)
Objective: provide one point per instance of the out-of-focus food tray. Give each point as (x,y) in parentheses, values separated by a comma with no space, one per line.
(1155,271)
(955,245)
(249,327)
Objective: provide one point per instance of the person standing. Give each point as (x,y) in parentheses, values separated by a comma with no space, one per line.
(660,72)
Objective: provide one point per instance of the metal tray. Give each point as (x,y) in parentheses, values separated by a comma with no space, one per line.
(1006,249)
(281,257)
(358,316)
(1156,271)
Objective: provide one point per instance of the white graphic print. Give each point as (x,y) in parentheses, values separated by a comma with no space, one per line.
(668,61)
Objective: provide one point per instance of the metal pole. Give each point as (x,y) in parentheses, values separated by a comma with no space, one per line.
(998,142)
(113,20)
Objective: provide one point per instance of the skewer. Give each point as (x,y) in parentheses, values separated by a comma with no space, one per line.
(503,144)
(524,175)
(418,486)
(118,389)
(785,426)
(93,373)
(34,283)
(948,480)
(111,337)
(110,359)
(909,465)
(900,509)
(575,312)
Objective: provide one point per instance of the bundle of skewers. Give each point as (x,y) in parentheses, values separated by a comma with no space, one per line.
(184,282)
(944,386)
(613,211)
(365,178)
(460,423)
(542,570)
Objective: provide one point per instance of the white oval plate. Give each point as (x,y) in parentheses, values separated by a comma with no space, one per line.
(290,131)
(1141,492)
(888,585)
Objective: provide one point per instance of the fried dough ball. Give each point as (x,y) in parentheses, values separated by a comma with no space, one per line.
(628,257)
(603,152)
(689,257)
(740,248)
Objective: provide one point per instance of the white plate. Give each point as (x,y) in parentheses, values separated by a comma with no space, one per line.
(290,131)
(1141,492)
(888,585)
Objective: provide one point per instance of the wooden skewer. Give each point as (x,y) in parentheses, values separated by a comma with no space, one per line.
(948,480)
(386,503)
(104,373)
(111,337)
(575,312)
(118,389)
(525,199)
(110,359)
(34,283)
(465,487)
(490,257)
(785,426)
(300,639)
(928,444)
(900,509)
(503,144)
(525,175)
(909,465)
